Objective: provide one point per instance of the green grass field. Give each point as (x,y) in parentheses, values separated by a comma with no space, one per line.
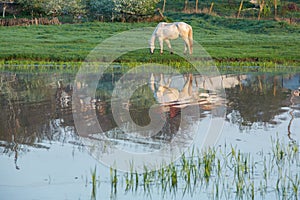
(225,39)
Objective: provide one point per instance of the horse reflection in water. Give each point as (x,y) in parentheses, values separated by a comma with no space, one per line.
(190,94)
(170,97)
(182,92)
(166,94)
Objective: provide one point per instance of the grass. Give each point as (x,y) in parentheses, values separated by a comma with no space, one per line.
(220,173)
(72,67)
(56,43)
(94,183)
(228,41)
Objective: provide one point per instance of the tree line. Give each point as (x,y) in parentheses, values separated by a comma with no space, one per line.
(124,10)
(109,10)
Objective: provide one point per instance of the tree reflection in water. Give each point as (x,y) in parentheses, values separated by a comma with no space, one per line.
(29,113)
(258,100)
(37,108)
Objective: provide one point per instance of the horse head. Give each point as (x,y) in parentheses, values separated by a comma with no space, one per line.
(152,47)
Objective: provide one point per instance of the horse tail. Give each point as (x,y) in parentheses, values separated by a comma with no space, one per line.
(190,36)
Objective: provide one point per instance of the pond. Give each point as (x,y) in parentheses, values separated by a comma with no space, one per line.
(238,134)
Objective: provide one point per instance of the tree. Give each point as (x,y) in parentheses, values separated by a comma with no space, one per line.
(34,6)
(5,5)
(266,5)
(186,4)
(59,7)
(164,6)
(275,8)
(261,7)
(53,7)
(122,9)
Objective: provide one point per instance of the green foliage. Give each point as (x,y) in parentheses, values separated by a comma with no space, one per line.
(33,7)
(113,10)
(121,9)
(100,9)
(53,7)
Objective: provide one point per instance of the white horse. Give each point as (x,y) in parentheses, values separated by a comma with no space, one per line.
(170,31)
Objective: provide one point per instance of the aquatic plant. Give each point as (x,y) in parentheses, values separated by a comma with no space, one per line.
(223,173)
(113,180)
(94,187)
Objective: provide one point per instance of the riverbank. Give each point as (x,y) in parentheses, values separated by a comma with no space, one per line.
(235,42)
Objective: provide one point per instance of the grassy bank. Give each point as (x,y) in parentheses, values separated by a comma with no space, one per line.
(249,42)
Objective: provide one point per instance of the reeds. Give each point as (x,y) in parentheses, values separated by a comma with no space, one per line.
(94,181)
(221,173)
(39,66)
(124,67)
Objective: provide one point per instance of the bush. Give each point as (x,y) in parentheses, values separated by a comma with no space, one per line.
(121,10)
(55,8)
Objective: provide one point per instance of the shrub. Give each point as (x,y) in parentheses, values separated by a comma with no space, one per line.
(122,10)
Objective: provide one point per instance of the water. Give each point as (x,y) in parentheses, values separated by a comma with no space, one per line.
(45,156)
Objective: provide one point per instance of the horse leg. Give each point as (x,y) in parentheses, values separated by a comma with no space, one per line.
(169,45)
(186,45)
(185,48)
(161,43)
